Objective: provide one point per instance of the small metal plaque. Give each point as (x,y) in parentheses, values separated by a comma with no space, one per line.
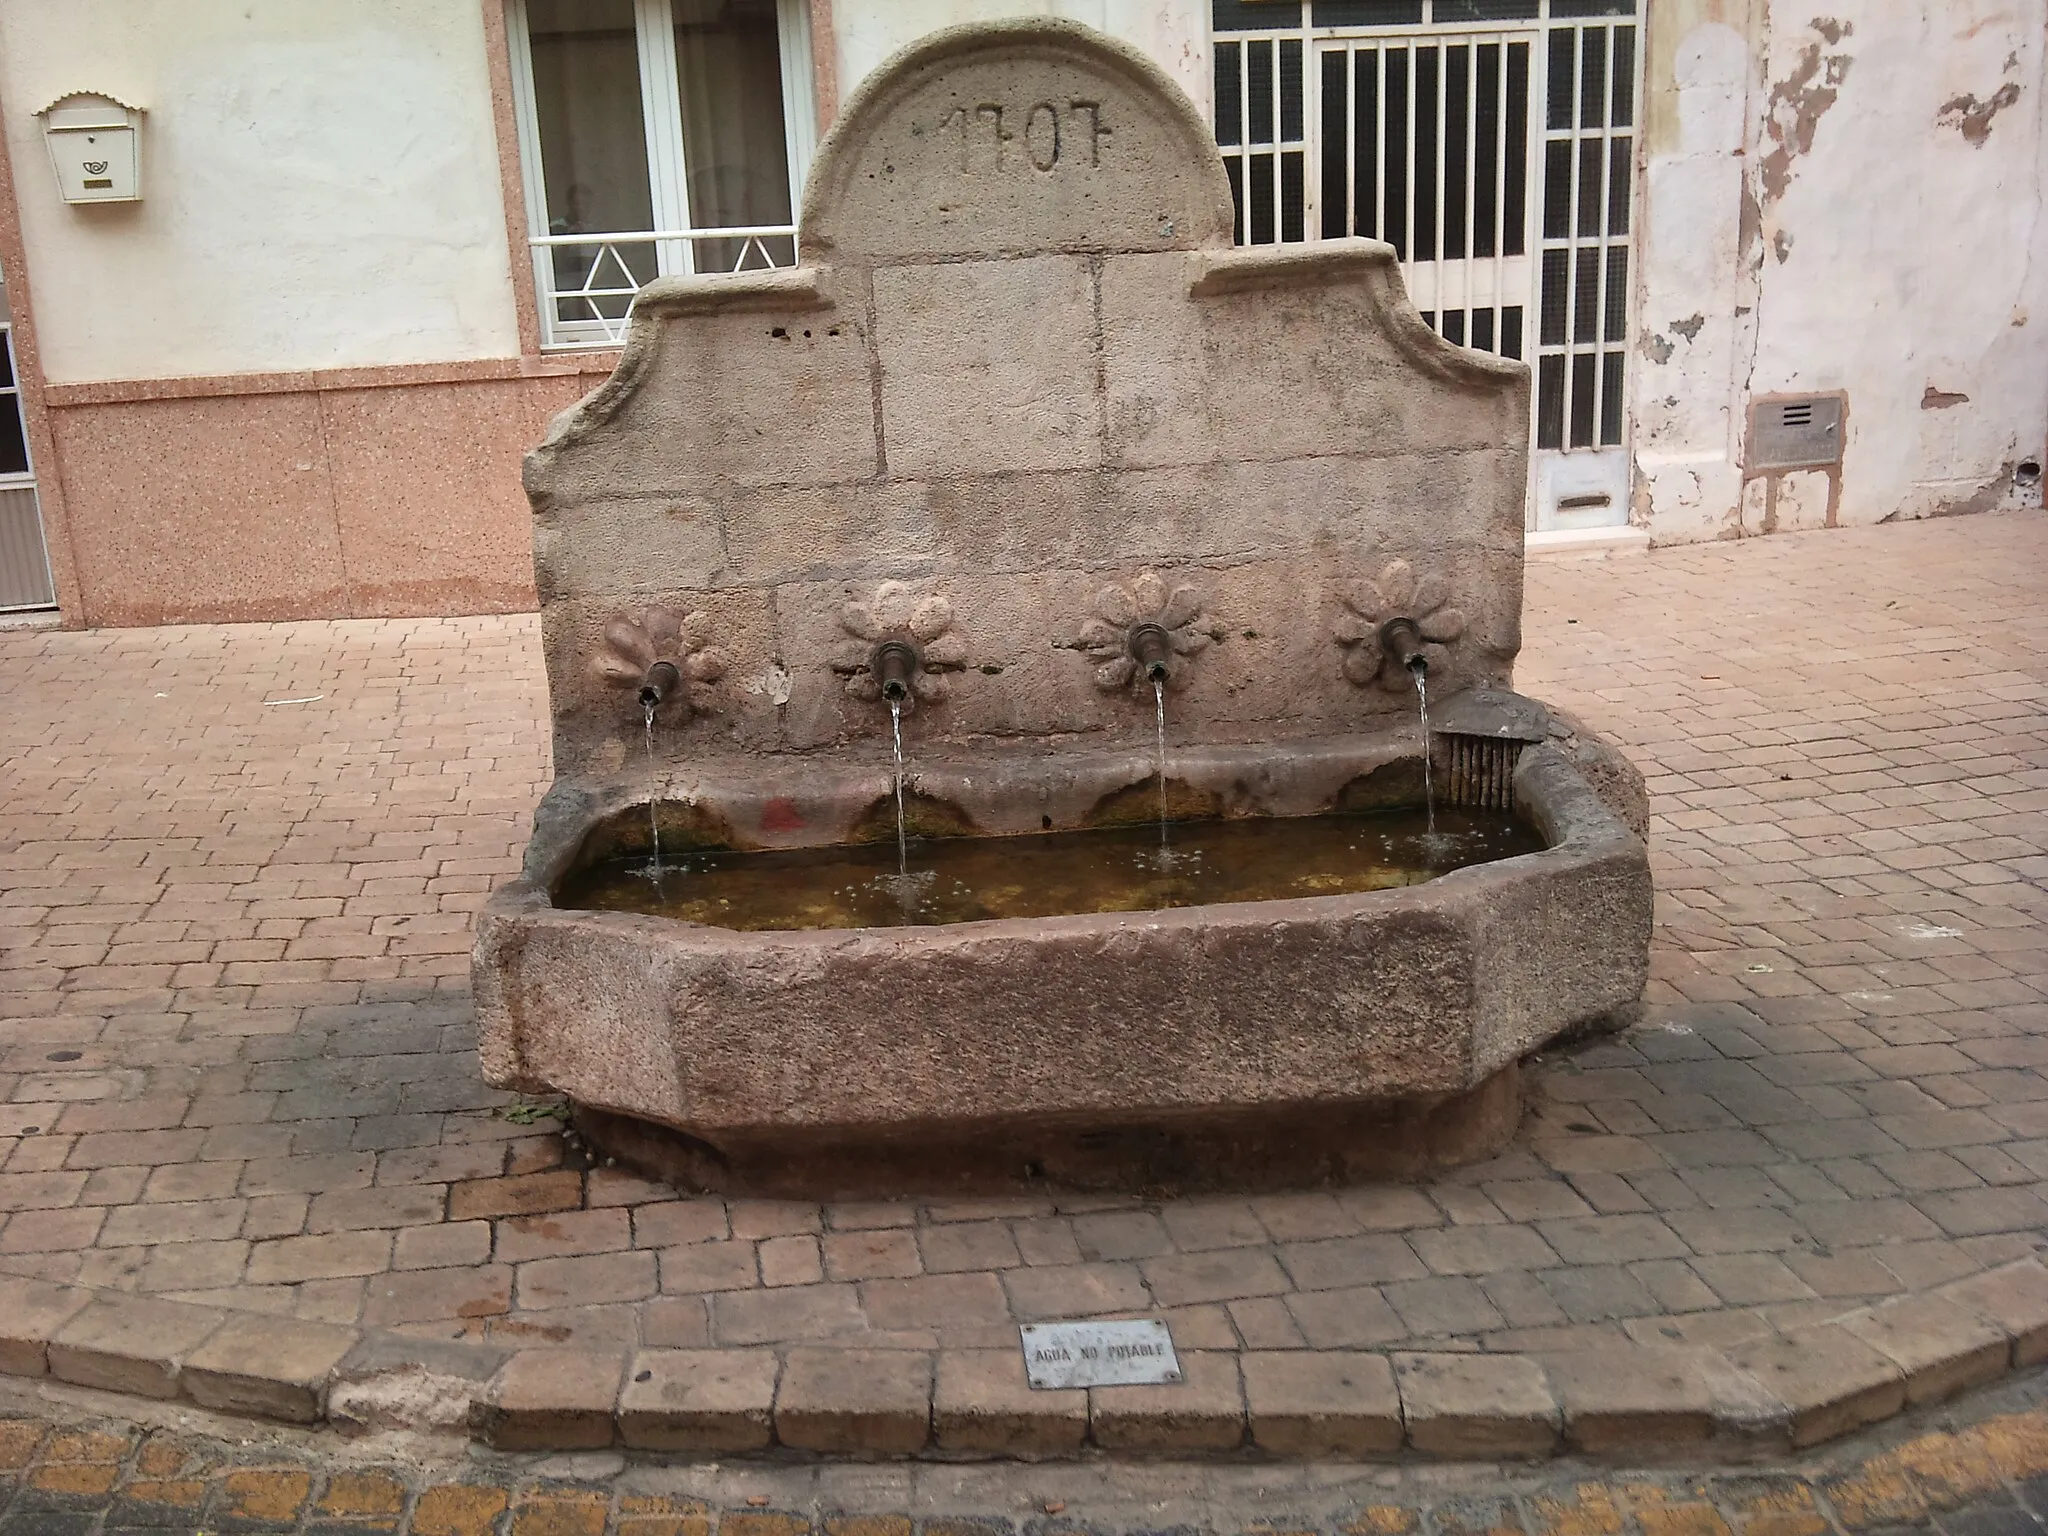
(1121,1354)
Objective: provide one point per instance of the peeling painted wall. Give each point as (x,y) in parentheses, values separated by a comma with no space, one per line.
(1692,345)
(1841,196)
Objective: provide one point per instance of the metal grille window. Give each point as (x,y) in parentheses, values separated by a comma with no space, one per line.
(25,583)
(1261,126)
(657,137)
(1588,157)
(1491,142)
(1416,136)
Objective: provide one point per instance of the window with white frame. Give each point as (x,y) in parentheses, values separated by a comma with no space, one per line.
(658,137)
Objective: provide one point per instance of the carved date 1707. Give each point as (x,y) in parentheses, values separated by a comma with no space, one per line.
(1044,131)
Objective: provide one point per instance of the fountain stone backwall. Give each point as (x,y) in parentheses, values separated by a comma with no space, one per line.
(1021,361)
(1022,393)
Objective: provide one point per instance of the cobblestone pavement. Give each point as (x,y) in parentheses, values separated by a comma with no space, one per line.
(238,867)
(67,1468)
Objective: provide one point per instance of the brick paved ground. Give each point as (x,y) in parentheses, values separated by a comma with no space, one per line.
(236,1058)
(68,1469)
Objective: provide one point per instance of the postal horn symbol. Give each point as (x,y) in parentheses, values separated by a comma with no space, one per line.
(95,167)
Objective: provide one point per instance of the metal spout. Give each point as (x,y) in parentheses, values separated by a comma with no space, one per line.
(1151,647)
(894,663)
(662,679)
(1402,640)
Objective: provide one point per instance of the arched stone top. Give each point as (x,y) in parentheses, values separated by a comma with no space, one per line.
(1018,138)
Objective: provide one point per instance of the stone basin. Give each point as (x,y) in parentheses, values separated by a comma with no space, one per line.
(1026,445)
(1244,1045)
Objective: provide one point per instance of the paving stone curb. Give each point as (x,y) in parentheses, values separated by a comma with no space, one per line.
(1764,1397)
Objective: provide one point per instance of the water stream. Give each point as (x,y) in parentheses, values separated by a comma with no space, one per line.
(896,736)
(1159,732)
(653,793)
(1428,784)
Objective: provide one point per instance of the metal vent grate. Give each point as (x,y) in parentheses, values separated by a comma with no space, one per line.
(1795,432)
(1480,770)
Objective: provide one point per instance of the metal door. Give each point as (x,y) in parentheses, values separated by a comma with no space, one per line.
(1426,146)
(1496,160)
(1582,459)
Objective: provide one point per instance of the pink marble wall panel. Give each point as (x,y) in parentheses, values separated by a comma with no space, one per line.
(201,510)
(426,492)
(299,504)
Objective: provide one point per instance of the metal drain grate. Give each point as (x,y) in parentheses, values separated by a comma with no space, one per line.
(1481,770)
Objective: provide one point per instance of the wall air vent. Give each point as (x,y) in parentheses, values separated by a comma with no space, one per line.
(1795,432)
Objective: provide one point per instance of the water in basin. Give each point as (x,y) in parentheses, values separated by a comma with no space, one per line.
(1121,869)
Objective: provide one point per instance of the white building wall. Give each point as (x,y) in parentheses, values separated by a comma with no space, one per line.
(1847,200)
(1174,32)
(1691,363)
(1844,201)
(1902,260)
(320,180)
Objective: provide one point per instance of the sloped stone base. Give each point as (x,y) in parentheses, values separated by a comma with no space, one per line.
(1269,1147)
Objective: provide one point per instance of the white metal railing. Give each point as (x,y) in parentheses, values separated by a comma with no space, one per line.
(586,282)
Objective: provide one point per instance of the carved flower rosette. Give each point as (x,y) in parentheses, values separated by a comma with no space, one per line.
(1396,593)
(897,612)
(1122,607)
(634,643)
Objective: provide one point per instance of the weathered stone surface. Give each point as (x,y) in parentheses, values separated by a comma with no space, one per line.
(1015,139)
(1426,992)
(1268,1147)
(857,1402)
(1634,1400)
(1477,1407)
(983,1402)
(31,1312)
(1829,1380)
(275,1367)
(1614,778)
(1202,1412)
(953,373)
(1086,320)
(2015,1296)
(550,1400)
(717,396)
(1941,1345)
(699,1400)
(130,1344)
(1313,1405)
(1294,353)
(388,1381)
(1059,1030)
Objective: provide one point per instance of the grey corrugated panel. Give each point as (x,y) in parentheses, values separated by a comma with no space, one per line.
(24,565)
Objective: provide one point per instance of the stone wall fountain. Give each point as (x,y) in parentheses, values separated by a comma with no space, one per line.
(1113,523)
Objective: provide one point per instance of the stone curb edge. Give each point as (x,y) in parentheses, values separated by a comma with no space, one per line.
(1637,1402)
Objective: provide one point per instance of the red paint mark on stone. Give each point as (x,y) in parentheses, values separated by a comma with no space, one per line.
(781,815)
